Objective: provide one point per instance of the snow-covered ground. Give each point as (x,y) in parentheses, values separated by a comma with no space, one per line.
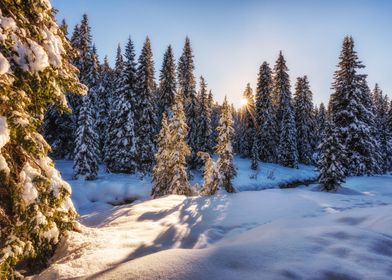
(275,233)
(115,189)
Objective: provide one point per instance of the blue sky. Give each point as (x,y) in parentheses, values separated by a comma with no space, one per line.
(232,38)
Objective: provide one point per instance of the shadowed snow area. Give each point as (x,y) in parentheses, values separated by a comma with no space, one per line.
(276,233)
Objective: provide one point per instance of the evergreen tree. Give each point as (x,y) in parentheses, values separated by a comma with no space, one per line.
(87,145)
(331,162)
(204,120)
(167,83)
(224,148)
(380,106)
(104,99)
(215,115)
(211,176)
(287,148)
(321,119)
(120,146)
(187,84)
(178,150)
(351,113)
(82,42)
(389,129)
(265,116)
(146,124)
(303,107)
(161,177)
(248,122)
(35,204)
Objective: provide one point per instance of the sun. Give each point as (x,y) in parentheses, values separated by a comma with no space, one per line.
(244,102)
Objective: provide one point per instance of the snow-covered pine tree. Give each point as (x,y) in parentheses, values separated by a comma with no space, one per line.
(351,112)
(380,106)
(204,119)
(389,128)
(303,107)
(161,176)
(167,84)
(248,122)
(120,144)
(287,148)
(320,124)
(187,84)
(215,115)
(82,42)
(331,162)
(87,145)
(178,150)
(267,136)
(145,113)
(224,148)
(211,176)
(34,200)
(238,128)
(104,92)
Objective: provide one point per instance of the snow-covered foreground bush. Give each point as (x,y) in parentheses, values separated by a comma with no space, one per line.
(296,233)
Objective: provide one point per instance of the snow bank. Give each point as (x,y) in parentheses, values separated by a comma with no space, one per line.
(269,234)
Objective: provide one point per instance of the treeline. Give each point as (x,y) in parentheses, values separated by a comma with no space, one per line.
(118,121)
(352,137)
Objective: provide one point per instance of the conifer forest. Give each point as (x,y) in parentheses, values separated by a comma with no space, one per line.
(130,165)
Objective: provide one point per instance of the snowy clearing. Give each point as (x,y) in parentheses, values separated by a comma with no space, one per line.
(271,234)
(116,189)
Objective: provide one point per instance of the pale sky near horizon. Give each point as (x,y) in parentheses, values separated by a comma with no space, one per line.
(231,38)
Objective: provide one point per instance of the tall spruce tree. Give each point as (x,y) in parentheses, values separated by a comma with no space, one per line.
(389,129)
(304,120)
(321,119)
(161,177)
(146,124)
(351,113)
(331,162)
(267,136)
(224,148)
(35,204)
(204,120)
(120,146)
(380,106)
(287,147)
(87,143)
(187,84)
(248,122)
(178,150)
(104,92)
(167,84)
(215,115)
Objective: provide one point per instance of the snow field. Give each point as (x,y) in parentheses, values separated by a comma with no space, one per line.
(276,233)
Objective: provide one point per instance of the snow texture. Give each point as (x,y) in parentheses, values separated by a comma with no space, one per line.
(4,138)
(297,233)
(4,64)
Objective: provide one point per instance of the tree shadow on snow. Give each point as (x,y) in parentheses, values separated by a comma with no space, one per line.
(194,213)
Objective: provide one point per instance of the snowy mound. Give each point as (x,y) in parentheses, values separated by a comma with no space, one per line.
(271,234)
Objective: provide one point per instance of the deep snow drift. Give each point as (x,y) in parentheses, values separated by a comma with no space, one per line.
(271,234)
